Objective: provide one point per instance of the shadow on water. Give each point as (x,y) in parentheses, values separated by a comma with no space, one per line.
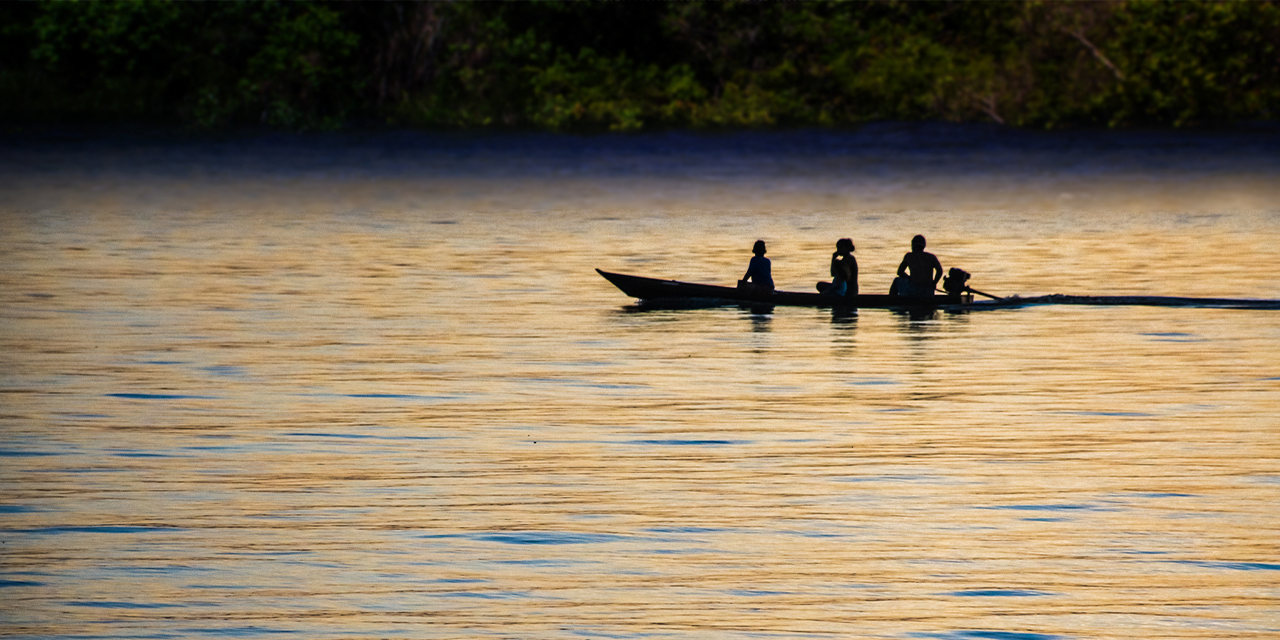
(844,316)
(915,319)
(761,317)
(645,306)
(844,324)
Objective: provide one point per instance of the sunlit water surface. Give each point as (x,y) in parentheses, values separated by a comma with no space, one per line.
(372,387)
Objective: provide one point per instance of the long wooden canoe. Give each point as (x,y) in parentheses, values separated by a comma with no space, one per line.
(654,290)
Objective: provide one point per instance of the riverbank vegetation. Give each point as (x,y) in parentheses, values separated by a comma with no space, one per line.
(628,66)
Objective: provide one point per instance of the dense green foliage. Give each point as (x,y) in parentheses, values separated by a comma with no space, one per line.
(631,65)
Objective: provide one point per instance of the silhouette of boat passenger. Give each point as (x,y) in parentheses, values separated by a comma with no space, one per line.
(919,272)
(844,271)
(759,272)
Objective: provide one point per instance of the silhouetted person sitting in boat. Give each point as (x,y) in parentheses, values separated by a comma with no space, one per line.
(919,272)
(760,271)
(844,271)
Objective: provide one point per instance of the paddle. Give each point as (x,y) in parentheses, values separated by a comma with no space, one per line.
(972,290)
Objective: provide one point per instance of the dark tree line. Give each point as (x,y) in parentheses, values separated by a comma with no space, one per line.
(632,65)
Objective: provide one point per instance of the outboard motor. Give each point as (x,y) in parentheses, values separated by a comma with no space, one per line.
(954,283)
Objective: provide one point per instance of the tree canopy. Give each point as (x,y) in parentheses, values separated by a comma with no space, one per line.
(628,66)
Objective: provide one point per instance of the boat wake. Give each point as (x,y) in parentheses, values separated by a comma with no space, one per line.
(1133,301)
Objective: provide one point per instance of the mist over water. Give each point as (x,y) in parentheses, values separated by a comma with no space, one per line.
(369,385)
(886,168)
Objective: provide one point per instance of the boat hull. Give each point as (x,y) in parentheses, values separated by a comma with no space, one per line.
(654,290)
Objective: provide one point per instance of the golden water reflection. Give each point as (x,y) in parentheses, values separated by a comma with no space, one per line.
(221,422)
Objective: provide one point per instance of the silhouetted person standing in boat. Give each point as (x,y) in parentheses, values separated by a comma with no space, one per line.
(920,269)
(760,271)
(844,271)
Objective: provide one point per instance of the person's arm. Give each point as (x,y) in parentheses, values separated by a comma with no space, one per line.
(937,268)
(902,268)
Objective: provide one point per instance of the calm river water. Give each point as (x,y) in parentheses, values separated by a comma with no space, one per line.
(369,386)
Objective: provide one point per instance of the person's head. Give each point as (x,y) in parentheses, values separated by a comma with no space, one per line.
(758,248)
(917,243)
(844,245)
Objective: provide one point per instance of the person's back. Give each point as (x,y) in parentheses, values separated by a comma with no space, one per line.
(760,270)
(844,269)
(921,269)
